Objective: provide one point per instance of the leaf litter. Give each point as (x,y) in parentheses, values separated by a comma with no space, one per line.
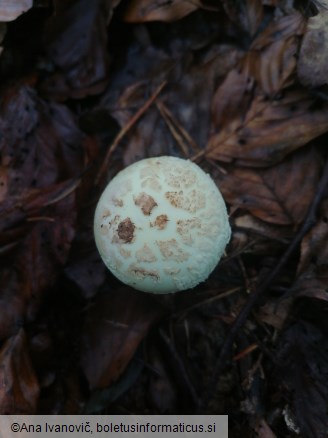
(238,87)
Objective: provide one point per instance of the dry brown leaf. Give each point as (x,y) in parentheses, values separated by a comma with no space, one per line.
(258,130)
(275,313)
(42,143)
(273,194)
(252,225)
(18,213)
(268,63)
(76,43)
(11,9)
(232,101)
(34,265)
(279,30)
(41,146)
(139,11)
(19,389)
(312,283)
(254,236)
(246,15)
(84,266)
(272,66)
(115,326)
(254,15)
(312,65)
(314,246)
(270,130)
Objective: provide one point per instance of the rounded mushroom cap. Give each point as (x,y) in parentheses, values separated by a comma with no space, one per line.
(161,225)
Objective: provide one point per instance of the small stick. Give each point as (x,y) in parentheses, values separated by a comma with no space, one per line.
(180,368)
(176,128)
(174,131)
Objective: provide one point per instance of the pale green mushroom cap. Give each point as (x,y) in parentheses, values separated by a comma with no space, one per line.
(161,225)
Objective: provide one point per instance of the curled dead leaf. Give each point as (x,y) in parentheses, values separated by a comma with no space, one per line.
(140,11)
(312,65)
(114,328)
(11,9)
(314,247)
(271,194)
(268,131)
(19,389)
(312,283)
(76,43)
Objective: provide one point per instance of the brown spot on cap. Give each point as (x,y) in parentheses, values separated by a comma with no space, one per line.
(145,202)
(160,222)
(185,228)
(142,273)
(171,250)
(191,201)
(124,253)
(125,230)
(103,229)
(174,198)
(105,213)
(145,254)
(117,202)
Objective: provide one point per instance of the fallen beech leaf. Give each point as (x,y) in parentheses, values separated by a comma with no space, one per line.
(76,42)
(84,266)
(271,59)
(19,389)
(30,206)
(275,313)
(280,29)
(312,283)
(232,101)
(255,226)
(312,65)
(42,142)
(101,399)
(271,194)
(254,236)
(270,130)
(35,264)
(139,11)
(115,326)
(265,68)
(11,9)
(257,131)
(245,15)
(314,248)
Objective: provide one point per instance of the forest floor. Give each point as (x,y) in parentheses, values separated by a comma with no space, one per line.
(237,86)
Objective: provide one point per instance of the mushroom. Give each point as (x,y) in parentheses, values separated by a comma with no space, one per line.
(161,225)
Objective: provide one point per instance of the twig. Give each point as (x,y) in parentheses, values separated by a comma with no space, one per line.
(174,131)
(180,369)
(178,131)
(126,128)
(308,223)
